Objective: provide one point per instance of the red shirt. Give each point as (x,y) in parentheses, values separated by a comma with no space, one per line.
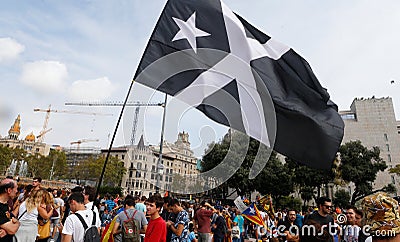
(156,231)
(203,218)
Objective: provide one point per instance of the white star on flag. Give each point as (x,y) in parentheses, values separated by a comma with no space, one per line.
(252,211)
(189,31)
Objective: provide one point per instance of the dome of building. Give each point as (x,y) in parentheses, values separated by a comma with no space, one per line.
(30,137)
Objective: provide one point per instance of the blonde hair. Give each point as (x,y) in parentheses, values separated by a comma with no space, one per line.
(38,197)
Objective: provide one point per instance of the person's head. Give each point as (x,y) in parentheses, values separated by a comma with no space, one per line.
(166,201)
(129,203)
(359,217)
(154,205)
(76,201)
(351,215)
(324,206)
(203,203)
(291,215)
(36,183)
(174,205)
(47,198)
(89,193)
(9,187)
(143,199)
(35,199)
(191,227)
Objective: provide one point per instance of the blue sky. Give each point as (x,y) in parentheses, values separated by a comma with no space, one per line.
(57,51)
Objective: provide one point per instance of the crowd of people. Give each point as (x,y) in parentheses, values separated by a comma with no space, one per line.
(39,214)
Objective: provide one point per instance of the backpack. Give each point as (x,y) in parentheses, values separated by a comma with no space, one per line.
(131,228)
(91,233)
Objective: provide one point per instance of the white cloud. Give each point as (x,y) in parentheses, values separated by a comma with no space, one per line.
(10,49)
(91,90)
(45,76)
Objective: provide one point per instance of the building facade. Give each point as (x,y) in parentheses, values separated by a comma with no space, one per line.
(29,144)
(141,162)
(373,122)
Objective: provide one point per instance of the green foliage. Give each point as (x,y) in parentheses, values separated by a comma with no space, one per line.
(289,202)
(112,190)
(91,168)
(342,198)
(360,165)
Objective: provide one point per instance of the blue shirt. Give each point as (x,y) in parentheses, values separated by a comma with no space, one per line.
(181,218)
(240,222)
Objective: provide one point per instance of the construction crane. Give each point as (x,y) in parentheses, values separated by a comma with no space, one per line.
(117,103)
(79,142)
(47,117)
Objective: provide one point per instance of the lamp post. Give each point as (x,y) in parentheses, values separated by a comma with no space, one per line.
(160,166)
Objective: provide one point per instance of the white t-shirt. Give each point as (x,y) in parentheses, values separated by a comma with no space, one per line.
(59,202)
(74,227)
(89,205)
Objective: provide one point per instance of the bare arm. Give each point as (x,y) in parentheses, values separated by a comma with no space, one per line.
(115,228)
(43,213)
(178,231)
(66,238)
(11,226)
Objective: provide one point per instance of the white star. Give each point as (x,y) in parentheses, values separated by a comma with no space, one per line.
(188,30)
(252,211)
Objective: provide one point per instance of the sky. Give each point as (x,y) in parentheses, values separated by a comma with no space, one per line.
(52,52)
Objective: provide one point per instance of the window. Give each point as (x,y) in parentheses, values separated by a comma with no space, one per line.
(122,157)
(137,184)
(130,174)
(166,178)
(152,176)
(393,180)
(387,147)
(139,166)
(153,168)
(385,137)
(140,157)
(170,179)
(138,174)
(389,158)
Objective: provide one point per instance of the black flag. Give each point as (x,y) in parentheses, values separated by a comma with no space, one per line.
(211,58)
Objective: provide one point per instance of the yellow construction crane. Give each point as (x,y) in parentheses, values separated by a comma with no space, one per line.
(49,110)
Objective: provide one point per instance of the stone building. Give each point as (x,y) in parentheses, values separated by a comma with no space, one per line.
(373,122)
(29,144)
(141,162)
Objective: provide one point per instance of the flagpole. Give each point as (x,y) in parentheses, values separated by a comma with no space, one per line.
(112,141)
(160,166)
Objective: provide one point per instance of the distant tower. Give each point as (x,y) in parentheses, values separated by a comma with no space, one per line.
(30,137)
(15,129)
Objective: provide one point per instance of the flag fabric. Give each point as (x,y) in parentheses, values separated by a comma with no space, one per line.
(252,214)
(266,203)
(211,58)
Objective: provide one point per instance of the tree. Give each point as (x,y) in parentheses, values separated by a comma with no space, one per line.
(5,158)
(91,169)
(275,179)
(360,165)
(342,198)
(309,179)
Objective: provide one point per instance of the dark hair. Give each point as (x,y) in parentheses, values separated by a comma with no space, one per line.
(39,179)
(129,202)
(351,207)
(76,196)
(203,203)
(322,200)
(77,189)
(9,177)
(143,198)
(28,188)
(5,186)
(91,191)
(157,200)
(191,227)
(173,202)
(359,212)
(129,196)
(166,199)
